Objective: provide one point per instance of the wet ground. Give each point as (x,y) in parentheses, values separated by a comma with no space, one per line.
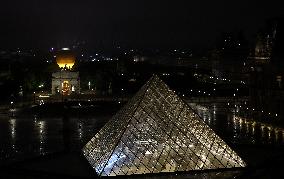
(57,133)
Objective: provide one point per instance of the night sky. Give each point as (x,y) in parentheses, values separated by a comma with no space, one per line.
(152,23)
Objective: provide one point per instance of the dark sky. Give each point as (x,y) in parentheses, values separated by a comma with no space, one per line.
(39,23)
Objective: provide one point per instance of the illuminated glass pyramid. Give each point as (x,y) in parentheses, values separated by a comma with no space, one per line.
(157,132)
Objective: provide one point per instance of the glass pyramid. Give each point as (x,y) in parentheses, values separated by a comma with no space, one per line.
(157,132)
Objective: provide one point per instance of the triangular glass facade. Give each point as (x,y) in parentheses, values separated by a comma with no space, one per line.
(157,132)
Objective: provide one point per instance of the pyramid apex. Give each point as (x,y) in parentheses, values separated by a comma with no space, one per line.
(156,131)
(154,77)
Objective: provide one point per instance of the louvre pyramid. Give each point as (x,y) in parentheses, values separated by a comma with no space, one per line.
(156,131)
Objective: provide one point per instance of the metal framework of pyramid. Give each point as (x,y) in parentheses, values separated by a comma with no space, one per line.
(156,131)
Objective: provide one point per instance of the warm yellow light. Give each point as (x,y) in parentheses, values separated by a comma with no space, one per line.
(65,59)
(67,62)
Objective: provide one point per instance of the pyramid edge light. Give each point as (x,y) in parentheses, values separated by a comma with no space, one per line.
(156,131)
(93,150)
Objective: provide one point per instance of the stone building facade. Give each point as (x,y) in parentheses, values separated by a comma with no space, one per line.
(65,82)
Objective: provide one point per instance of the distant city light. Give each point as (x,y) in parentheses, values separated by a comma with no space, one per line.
(43,96)
(41,102)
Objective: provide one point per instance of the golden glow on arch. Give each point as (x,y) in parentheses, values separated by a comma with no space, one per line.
(67,62)
(65,59)
(65,87)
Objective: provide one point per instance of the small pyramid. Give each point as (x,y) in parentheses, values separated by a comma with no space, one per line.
(156,131)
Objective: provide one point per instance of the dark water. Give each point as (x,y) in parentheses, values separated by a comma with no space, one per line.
(238,130)
(25,137)
(29,136)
